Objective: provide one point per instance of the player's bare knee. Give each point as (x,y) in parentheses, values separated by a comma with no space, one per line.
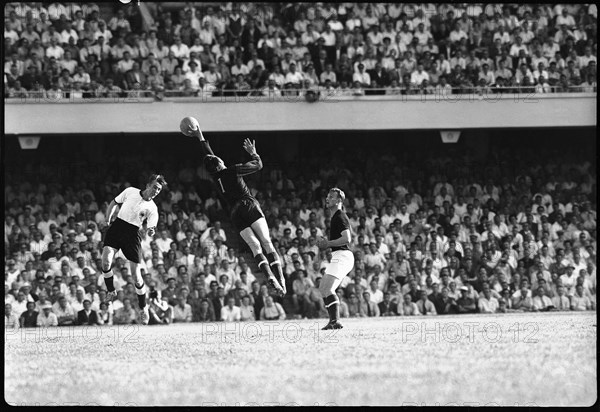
(106,264)
(251,240)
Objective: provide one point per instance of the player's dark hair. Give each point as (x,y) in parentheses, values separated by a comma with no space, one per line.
(158,178)
(211,162)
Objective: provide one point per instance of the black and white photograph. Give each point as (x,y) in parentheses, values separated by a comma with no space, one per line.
(231,204)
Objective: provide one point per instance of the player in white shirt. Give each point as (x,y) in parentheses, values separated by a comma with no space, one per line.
(137,214)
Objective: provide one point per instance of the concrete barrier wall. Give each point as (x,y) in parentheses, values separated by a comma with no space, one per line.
(264,114)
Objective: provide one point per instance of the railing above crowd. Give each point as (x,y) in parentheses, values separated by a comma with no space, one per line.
(309,95)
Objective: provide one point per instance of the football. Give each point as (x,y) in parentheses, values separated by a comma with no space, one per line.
(185,124)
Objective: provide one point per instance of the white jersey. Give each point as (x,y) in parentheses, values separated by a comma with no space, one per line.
(134,209)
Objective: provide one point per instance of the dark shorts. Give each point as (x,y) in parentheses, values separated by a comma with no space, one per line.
(125,236)
(245,212)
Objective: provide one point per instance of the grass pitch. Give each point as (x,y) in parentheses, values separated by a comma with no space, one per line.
(511,359)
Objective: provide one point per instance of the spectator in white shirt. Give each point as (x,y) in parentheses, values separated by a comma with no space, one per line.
(194,75)
(164,242)
(179,49)
(182,312)
(587,57)
(212,76)
(328,37)
(54,50)
(294,77)
(517,47)
(486,74)
(67,33)
(375,35)
(239,68)
(422,34)
(417,77)
(103,32)
(352,21)
(565,19)
(277,77)
(230,312)
(47,317)
(376,294)
(457,34)
(68,63)
(487,303)
(335,24)
(38,244)
(541,302)
(126,63)
(207,34)
(362,77)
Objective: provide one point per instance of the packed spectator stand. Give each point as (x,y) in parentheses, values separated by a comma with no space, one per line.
(436,232)
(73,51)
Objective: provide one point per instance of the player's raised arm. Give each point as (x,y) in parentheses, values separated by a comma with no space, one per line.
(194,131)
(253,165)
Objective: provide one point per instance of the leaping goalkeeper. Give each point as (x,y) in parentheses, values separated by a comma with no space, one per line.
(246,214)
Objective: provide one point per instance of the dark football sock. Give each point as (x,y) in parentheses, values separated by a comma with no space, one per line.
(141,295)
(108,281)
(263,264)
(274,262)
(332,303)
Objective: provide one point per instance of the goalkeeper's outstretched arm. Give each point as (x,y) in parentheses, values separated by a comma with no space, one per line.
(204,145)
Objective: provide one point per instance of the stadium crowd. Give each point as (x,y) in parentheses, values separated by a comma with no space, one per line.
(81,50)
(435,232)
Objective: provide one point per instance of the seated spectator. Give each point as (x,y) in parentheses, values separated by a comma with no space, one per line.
(487,303)
(230,312)
(87,316)
(77,92)
(125,315)
(212,76)
(110,90)
(369,307)
(28,319)
(247,310)
(409,308)
(579,301)
(542,86)
(17,91)
(182,311)
(465,304)
(272,310)
(589,85)
(82,77)
(47,317)
(119,23)
(125,64)
(194,75)
(361,77)
(155,77)
(118,51)
(105,315)
(522,299)
(424,305)
(355,308)
(65,313)
(293,77)
(135,77)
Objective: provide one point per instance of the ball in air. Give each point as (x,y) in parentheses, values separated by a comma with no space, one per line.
(185,124)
